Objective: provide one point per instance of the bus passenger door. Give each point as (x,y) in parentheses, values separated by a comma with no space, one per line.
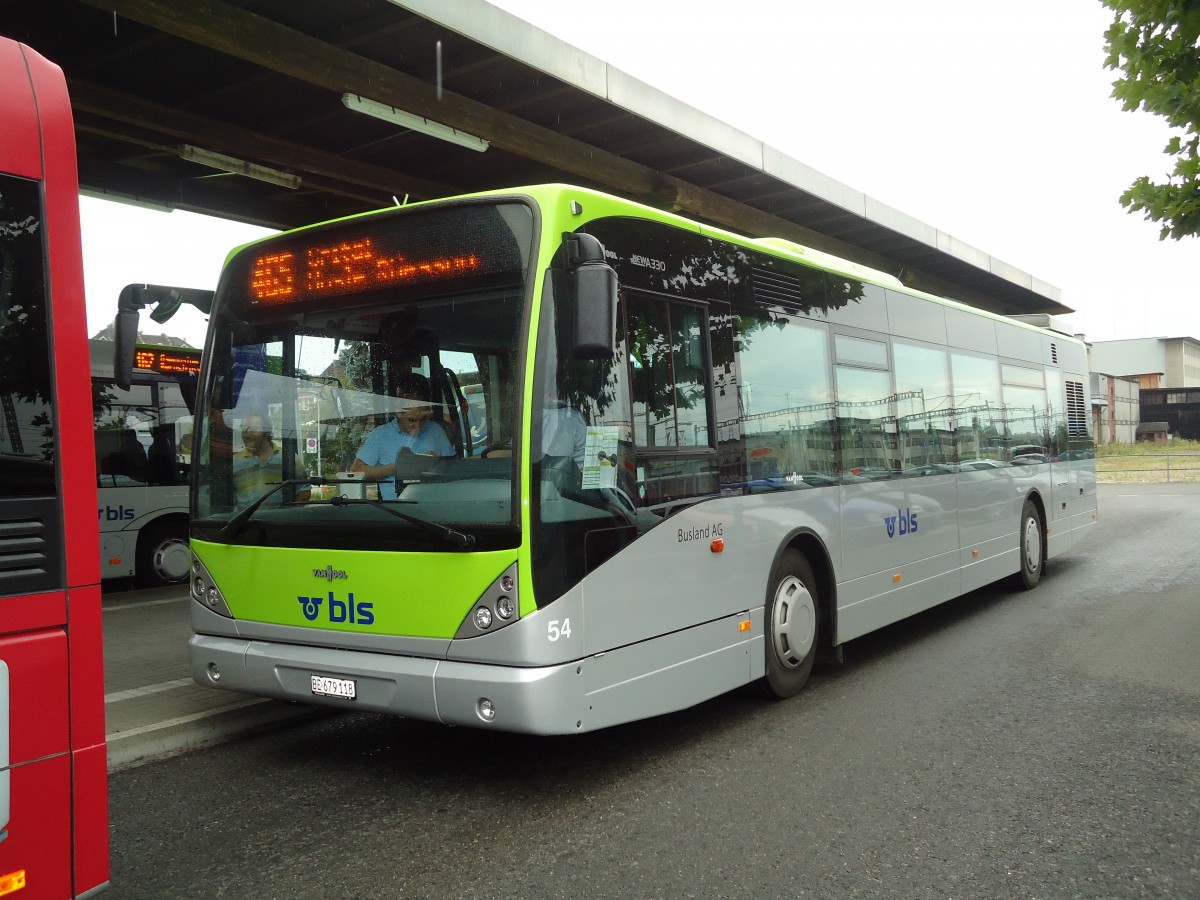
(665,465)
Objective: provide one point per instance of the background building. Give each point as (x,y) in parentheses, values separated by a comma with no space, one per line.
(1168,373)
(1159,362)
(1115,408)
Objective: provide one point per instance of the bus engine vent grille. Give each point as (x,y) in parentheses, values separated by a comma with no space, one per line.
(788,291)
(1076,410)
(22,548)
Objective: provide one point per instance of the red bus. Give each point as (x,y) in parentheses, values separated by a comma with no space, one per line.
(53,759)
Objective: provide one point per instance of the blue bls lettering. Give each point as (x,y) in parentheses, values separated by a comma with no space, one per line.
(338,610)
(120,514)
(902,523)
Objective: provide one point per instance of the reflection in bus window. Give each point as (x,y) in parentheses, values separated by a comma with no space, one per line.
(925,409)
(866,423)
(27,441)
(785,404)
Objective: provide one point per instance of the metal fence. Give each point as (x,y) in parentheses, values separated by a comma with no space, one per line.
(1148,467)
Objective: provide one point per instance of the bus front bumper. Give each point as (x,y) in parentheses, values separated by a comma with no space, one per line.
(540,700)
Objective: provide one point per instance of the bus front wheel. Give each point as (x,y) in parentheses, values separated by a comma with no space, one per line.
(793,620)
(163,557)
(1032,538)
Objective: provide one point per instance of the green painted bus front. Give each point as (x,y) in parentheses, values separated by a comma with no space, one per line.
(780,451)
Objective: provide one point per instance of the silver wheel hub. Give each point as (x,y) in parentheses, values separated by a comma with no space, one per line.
(793,622)
(1033,545)
(172,560)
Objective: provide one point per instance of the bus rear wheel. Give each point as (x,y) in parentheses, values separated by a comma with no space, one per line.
(1032,539)
(793,623)
(163,556)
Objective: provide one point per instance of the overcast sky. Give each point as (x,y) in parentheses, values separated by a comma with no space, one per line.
(990,120)
(125,244)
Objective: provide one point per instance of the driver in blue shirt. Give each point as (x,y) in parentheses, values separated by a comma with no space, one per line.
(411,429)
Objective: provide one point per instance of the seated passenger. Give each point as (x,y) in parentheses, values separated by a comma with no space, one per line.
(258,466)
(164,465)
(411,429)
(133,461)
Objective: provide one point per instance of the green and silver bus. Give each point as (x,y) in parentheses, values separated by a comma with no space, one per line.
(673,461)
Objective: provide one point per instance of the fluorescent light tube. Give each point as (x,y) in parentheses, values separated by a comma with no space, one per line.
(237,166)
(414,122)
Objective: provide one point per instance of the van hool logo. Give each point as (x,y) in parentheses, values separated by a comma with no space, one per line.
(901,523)
(329,573)
(338,610)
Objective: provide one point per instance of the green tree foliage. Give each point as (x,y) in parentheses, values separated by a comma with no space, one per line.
(1153,44)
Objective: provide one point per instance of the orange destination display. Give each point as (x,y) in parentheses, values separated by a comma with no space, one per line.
(281,277)
(176,361)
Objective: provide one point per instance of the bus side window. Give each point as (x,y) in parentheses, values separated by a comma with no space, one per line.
(163,463)
(108,452)
(132,459)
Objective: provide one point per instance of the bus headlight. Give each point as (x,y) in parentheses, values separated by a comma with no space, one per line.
(205,590)
(496,607)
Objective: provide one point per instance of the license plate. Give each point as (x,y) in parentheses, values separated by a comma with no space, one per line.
(334,687)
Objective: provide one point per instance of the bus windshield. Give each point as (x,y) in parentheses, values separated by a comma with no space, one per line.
(365,376)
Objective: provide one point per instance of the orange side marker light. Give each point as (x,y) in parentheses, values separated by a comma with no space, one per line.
(744,626)
(717,546)
(13,881)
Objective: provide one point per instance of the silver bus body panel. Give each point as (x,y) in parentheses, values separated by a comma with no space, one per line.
(670,578)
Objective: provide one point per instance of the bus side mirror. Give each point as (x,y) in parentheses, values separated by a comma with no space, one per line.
(593,289)
(133,297)
(124,338)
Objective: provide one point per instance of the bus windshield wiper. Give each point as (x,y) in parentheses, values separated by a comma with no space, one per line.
(235,525)
(458,538)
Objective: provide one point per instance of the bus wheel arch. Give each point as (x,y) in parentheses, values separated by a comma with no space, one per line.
(796,616)
(163,556)
(1031,542)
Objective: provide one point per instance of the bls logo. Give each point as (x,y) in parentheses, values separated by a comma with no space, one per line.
(902,523)
(120,514)
(339,610)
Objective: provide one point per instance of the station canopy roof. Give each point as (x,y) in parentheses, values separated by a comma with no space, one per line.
(159,86)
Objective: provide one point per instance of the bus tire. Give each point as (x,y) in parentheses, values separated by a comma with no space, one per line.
(793,626)
(1032,543)
(163,557)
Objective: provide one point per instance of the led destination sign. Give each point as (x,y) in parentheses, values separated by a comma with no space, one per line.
(345,267)
(167,362)
(398,253)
